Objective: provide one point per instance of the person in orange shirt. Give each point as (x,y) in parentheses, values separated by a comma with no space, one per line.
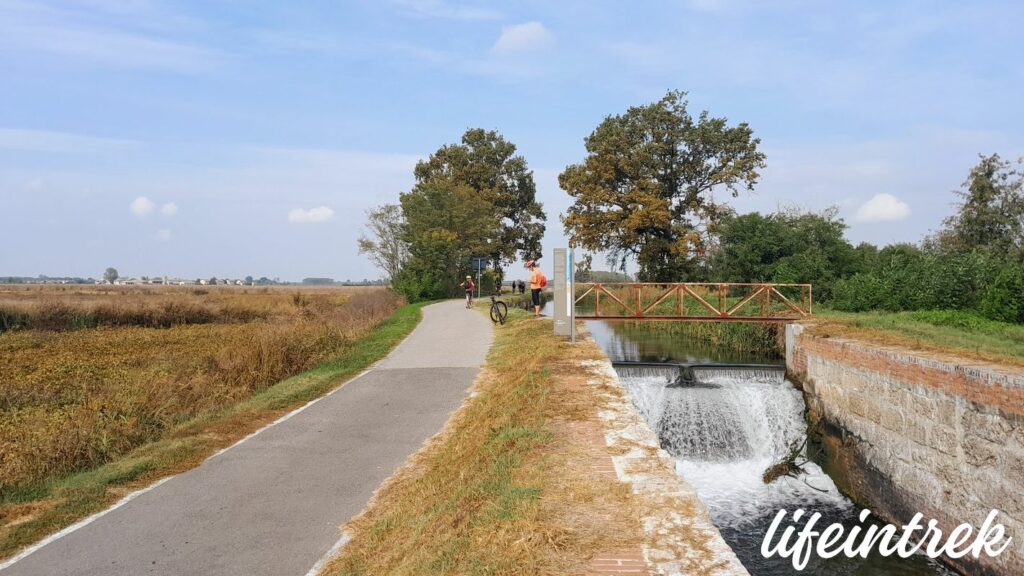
(537,282)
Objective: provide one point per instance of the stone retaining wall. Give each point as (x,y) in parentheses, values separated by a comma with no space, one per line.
(907,434)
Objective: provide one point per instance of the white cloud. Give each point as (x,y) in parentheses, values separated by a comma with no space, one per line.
(313,215)
(169,209)
(142,206)
(163,234)
(882,208)
(525,37)
(60,142)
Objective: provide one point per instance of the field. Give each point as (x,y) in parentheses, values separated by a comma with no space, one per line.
(89,374)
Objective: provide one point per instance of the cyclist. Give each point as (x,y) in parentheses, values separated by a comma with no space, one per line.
(470,287)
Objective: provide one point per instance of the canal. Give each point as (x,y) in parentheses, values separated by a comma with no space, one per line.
(725,431)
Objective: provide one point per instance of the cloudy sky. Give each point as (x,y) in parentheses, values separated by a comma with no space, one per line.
(230,137)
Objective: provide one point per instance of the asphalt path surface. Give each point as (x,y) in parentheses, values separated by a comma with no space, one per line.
(273,504)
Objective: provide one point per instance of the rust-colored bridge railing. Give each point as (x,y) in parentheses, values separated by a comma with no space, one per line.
(693,302)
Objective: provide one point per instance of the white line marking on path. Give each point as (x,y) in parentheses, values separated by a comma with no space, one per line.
(89,520)
(315,570)
(81,523)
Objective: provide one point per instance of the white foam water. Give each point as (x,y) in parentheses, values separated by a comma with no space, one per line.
(725,431)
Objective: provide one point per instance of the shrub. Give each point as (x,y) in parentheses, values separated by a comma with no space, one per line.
(1004,298)
(487,280)
(859,293)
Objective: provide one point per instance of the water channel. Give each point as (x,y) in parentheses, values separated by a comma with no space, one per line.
(724,432)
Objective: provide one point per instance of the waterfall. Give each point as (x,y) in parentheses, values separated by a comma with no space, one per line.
(724,430)
(725,426)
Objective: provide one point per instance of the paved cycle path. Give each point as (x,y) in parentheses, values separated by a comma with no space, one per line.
(272,504)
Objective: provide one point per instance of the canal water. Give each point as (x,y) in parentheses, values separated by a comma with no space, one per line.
(724,431)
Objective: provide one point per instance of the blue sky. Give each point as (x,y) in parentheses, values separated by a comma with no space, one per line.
(258,133)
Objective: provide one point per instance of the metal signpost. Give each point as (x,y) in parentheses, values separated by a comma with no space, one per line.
(565,309)
(479,263)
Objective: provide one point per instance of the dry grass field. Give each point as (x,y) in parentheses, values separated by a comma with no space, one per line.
(89,373)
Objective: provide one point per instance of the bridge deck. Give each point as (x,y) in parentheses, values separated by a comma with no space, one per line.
(693,301)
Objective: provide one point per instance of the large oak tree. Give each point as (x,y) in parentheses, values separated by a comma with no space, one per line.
(488,164)
(645,189)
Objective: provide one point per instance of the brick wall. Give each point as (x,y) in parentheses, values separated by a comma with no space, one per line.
(907,433)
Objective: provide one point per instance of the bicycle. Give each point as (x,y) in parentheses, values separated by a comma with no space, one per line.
(499,311)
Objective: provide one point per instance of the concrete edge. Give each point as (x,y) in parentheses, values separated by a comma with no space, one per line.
(650,472)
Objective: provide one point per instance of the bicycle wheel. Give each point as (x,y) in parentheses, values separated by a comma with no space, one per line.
(499,310)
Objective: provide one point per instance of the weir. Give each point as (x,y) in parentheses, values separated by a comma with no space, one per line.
(699,373)
(726,424)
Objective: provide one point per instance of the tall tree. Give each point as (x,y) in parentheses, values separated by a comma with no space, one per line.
(445,226)
(990,215)
(488,165)
(385,246)
(110,274)
(645,189)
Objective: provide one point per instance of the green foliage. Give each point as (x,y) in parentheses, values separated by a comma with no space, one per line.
(785,247)
(959,319)
(858,293)
(644,191)
(110,274)
(991,214)
(904,277)
(488,165)
(487,282)
(445,227)
(474,199)
(1004,299)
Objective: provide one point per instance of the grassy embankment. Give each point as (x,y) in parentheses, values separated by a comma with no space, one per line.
(508,487)
(943,332)
(91,413)
(939,332)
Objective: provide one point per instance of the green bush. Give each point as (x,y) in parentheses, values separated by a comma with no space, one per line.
(487,280)
(906,278)
(1004,298)
(859,293)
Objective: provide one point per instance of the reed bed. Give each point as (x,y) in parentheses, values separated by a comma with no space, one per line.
(75,395)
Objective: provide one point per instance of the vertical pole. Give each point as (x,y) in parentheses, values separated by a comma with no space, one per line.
(570,294)
(562,296)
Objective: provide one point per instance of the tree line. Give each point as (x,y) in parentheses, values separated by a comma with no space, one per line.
(651,191)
